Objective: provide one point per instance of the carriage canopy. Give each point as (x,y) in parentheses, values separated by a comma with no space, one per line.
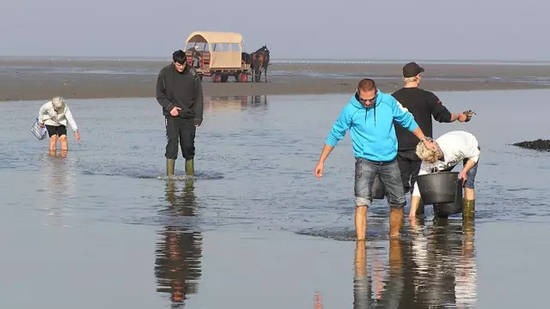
(225,48)
(215,37)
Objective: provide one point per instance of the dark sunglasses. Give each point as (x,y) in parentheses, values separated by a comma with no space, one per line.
(368,100)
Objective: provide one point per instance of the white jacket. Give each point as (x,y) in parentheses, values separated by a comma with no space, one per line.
(48,116)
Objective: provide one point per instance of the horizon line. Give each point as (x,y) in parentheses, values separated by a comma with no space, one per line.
(280,58)
(283,60)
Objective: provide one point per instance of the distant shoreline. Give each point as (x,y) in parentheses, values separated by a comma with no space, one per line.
(12,58)
(30,80)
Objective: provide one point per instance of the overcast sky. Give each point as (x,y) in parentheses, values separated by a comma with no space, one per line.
(390,29)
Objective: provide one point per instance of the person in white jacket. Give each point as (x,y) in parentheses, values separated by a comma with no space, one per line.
(453,147)
(55,115)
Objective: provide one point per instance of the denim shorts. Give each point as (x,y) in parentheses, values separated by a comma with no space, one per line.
(365,173)
(470,175)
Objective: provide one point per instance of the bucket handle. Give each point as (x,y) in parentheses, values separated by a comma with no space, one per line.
(436,170)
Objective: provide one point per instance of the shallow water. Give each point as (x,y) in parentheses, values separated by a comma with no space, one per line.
(102,228)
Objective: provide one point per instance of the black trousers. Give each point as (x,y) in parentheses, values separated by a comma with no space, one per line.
(182,130)
(409,166)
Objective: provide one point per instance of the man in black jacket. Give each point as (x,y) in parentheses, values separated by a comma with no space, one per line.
(179,92)
(423,105)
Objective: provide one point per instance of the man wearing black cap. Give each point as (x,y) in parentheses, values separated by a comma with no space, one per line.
(423,105)
(179,92)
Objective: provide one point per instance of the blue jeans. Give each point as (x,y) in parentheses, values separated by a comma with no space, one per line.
(390,175)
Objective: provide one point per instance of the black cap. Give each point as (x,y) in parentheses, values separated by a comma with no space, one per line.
(412,69)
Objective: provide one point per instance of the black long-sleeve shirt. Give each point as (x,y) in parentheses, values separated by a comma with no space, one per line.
(423,105)
(183,90)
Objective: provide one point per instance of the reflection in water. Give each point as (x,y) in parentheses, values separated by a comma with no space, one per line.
(178,251)
(436,268)
(466,278)
(58,179)
(218,103)
(318,301)
(256,101)
(361,282)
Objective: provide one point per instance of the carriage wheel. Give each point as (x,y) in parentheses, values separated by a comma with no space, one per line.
(216,78)
(243,77)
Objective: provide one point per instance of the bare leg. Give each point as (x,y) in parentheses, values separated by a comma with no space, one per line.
(53,143)
(469,194)
(415,202)
(396,221)
(361,222)
(417,223)
(63,142)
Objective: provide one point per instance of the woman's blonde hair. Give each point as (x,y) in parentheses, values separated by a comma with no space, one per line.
(426,154)
(58,103)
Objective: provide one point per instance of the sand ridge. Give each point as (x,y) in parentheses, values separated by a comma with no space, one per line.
(18,80)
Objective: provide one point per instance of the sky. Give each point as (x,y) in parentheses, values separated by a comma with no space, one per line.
(344,29)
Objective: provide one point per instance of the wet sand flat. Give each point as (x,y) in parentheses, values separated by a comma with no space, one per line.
(41,80)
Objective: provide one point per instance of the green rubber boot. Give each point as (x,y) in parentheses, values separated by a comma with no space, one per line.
(170,166)
(469,209)
(189,167)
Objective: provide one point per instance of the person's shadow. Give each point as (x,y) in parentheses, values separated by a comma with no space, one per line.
(179,248)
(434,269)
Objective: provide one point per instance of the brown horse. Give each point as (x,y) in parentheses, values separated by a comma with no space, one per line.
(260,61)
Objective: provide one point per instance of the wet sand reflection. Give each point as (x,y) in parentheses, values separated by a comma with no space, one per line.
(435,268)
(226,103)
(58,178)
(178,251)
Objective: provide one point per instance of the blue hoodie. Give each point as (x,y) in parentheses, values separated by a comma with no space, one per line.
(371,129)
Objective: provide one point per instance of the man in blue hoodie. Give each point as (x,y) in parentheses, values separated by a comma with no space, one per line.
(369,116)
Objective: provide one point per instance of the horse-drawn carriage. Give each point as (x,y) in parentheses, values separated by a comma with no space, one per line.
(221,55)
(217,54)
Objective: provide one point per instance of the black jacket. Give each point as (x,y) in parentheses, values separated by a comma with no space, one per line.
(183,90)
(423,105)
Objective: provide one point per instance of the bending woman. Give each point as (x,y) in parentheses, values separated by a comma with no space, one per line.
(55,114)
